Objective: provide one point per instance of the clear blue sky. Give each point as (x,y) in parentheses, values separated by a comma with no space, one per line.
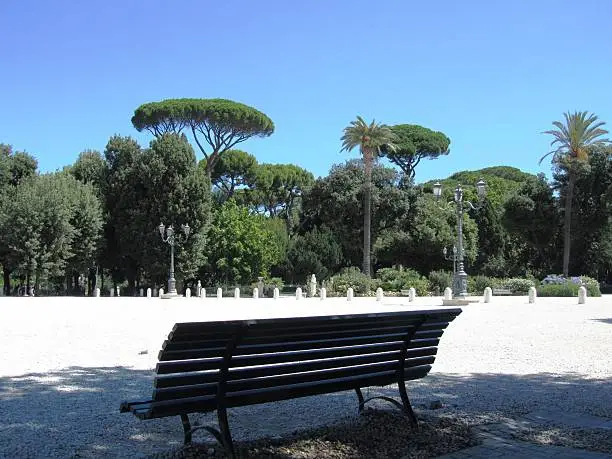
(492,75)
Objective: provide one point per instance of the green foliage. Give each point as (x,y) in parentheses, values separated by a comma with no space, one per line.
(349,277)
(440,279)
(234,170)
(315,252)
(477,284)
(220,123)
(414,143)
(567,289)
(518,285)
(393,279)
(240,247)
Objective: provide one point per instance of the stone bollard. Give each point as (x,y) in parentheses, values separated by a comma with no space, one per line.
(255,293)
(203,293)
(142,292)
(187,292)
(533,294)
(312,287)
(448,293)
(582,294)
(260,287)
(111,292)
(219,293)
(97,292)
(323,293)
(148,293)
(161,292)
(488,293)
(298,293)
(237,293)
(276,293)
(379,294)
(349,294)
(411,294)
(118,291)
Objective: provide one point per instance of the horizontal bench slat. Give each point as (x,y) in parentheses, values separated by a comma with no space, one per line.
(206,403)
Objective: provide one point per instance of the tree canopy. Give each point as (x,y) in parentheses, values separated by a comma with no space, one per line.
(412,144)
(219,123)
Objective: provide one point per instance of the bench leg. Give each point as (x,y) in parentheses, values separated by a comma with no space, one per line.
(186,428)
(361,399)
(226,436)
(406,403)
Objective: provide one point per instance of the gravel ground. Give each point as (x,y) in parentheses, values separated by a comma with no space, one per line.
(67,364)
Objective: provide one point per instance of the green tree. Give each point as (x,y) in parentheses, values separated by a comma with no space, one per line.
(314,252)
(370,138)
(414,143)
(276,190)
(219,123)
(240,246)
(570,142)
(90,168)
(234,170)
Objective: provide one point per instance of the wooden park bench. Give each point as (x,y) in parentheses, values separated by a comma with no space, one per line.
(501,291)
(208,366)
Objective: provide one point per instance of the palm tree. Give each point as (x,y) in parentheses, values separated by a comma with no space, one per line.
(369,138)
(571,141)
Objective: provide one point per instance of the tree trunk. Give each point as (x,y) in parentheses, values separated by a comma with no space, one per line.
(7,281)
(367,218)
(567,222)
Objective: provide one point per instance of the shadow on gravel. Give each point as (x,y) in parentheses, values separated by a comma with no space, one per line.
(605,321)
(75,412)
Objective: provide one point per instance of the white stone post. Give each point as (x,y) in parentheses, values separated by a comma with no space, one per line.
(488,293)
(219,293)
(411,294)
(582,294)
(203,293)
(111,292)
(298,293)
(187,292)
(149,292)
(118,291)
(379,294)
(349,294)
(97,292)
(161,292)
(448,293)
(255,293)
(237,292)
(323,293)
(199,289)
(276,293)
(533,294)
(312,286)
(260,287)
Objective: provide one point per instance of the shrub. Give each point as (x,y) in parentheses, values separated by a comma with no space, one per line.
(349,277)
(518,285)
(439,280)
(568,289)
(395,280)
(477,284)
(591,285)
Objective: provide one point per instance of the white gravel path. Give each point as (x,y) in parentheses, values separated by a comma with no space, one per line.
(67,363)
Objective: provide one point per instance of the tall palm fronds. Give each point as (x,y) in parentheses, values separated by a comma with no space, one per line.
(570,142)
(369,138)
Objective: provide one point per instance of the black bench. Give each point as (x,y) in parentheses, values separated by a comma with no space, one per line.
(208,366)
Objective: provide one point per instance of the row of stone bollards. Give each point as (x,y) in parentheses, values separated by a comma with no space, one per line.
(532,294)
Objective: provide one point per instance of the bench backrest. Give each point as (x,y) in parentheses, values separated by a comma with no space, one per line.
(236,363)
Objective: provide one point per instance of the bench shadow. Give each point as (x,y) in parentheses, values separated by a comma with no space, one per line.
(74,412)
(605,321)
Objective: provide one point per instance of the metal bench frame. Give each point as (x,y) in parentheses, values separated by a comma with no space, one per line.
(427,324)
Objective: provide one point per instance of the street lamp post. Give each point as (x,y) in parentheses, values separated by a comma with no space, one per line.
(169,236)
(459,274)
